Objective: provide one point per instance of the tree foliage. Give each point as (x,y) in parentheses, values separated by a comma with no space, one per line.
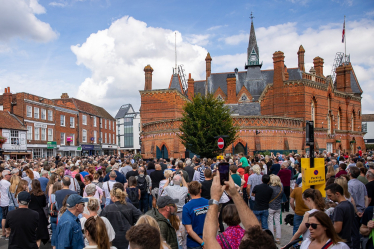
(203,120)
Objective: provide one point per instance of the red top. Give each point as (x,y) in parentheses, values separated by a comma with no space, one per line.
(285,176)
(341,172)
(246,180)
(233,236)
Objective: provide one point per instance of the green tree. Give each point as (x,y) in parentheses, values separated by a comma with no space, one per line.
(203,120)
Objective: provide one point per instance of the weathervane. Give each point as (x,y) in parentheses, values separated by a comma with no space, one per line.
(252,17)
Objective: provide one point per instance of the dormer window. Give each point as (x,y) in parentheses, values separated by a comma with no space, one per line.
(243,97)
(219,98)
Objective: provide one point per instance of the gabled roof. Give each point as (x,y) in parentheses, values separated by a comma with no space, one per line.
(9,121)
(125,109)
(175,83)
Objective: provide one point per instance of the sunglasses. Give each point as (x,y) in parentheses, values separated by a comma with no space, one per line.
(313,225)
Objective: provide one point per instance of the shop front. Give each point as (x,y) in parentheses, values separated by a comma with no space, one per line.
(70,150)
(110,149)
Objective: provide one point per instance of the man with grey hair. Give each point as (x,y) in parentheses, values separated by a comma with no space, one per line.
(4,200)
(370,187)
(44,180)
(176,191)
(189,169)
(108,186)
(144,183)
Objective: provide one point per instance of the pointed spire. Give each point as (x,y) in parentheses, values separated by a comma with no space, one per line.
(253,54)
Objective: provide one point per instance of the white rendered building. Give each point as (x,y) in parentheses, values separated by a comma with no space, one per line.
(128,129)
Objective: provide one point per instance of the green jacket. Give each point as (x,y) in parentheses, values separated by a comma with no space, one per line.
(167,231)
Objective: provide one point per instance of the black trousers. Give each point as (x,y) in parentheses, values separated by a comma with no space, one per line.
(286,206)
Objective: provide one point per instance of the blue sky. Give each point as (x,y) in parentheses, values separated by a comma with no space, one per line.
(96,50)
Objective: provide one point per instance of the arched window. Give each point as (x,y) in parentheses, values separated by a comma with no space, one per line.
(329,102)
(313,113)
(353,122)
(329,124)
(338,120)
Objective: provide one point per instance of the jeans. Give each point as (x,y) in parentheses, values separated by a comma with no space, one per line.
(1,216)
(251,203)
(143,203)
(297,219)
(262,216)
(245,196)
(53,221)
(276,215)
(286,206)
(150,198)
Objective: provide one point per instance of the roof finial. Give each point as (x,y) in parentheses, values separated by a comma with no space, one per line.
(252,17)
(175,43)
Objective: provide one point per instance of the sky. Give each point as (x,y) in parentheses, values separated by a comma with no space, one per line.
(96,50)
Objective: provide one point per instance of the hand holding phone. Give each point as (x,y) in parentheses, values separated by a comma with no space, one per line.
(224,172)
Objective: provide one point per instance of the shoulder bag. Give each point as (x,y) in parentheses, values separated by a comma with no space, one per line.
(277,195)
(224,241)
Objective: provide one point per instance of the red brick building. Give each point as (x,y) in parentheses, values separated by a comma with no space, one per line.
(275,103)
(65,126)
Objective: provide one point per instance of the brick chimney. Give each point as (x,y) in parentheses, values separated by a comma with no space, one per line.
(7,100)
(318,66)
(148,78)
(286,74)
(279,77)
(191,87)
(208,70)
(231,89)
(64,96)
(343,78)
(300,56)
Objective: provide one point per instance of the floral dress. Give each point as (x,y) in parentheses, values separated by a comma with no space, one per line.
(233,236)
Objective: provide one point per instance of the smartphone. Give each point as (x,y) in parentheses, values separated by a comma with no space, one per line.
(224,172)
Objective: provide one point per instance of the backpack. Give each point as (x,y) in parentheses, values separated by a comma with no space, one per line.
(289,219)
(133,195)
(142,185)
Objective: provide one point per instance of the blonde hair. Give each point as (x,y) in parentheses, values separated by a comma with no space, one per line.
(168,173)
(344,184)
(146,219)
(275,181)
(14,180)
(93,204)
(256,169)
(119,194)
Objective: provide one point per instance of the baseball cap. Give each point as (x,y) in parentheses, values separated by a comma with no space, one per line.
(163,201)
(75,199)
(24,198)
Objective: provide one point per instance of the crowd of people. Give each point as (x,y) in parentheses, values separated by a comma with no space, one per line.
(118,202)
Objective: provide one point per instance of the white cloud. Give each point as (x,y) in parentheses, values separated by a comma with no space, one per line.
(117,56)
(201,40)
(324,41)
(216,27)
(17,19)
(57,4)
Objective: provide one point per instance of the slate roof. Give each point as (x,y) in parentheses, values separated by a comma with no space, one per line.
(246,109)
(199,87)
(124,110)
(367,117)
(175,83)
(355,86)
(9,121)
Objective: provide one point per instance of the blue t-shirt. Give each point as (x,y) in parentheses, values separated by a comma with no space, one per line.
(43,183)
(194,213)
(83,173)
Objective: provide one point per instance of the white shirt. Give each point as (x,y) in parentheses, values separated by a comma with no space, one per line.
(4,188)
(109,229)
(106,189)
(307,242)
(36,175)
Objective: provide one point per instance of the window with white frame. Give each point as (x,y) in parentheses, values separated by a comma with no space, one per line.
(44,114)
(109,138)
(36,112)
(38,153)
(14,137)
(72,139)
(29,132)
(84,119)
(338,119)
(108,124)
(44,134)
(105,123)
(84,136)
(94,121)
(62,120)
(95,137)
(50,117)
(101,136)
(36,133)
(29,111)
(313,114)
(101,123)
(50,134)
(72,122)
(114,124)
(62,138)
(106,141)
(114,139)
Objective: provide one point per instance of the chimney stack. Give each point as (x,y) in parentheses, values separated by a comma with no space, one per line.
(286,74)
(318,66)
(148,78)
(231,89)
(65,96)
(191,87)
(343,78)
(7,100)
(300,56)
(278,61)
(208,64)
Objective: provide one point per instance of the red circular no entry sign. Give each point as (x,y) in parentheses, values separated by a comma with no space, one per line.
(221,143)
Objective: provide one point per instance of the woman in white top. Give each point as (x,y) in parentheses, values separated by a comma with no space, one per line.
(93,207)
(167,173)
(96,234)
(315,202)
(322,233)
